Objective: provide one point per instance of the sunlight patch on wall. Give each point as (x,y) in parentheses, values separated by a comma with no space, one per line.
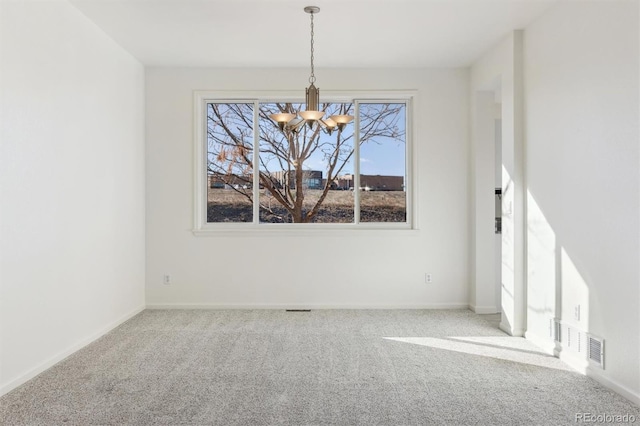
(541,269)
(575,293)
(508,252)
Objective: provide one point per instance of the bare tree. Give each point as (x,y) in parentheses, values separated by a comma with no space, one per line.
(284,154)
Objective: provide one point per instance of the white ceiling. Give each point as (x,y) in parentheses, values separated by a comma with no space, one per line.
(275,33)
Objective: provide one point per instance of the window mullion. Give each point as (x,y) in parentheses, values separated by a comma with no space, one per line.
(201,181)
(356,166)
(409,176)
(256,162)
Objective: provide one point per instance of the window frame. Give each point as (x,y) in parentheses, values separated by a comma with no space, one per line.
(200,155)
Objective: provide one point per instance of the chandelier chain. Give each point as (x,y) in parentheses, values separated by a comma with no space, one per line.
(312,77)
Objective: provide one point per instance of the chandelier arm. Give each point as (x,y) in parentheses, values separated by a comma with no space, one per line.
(296,127)
(312,112)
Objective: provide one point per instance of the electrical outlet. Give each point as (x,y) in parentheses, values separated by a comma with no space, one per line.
(166,280)
(427,278)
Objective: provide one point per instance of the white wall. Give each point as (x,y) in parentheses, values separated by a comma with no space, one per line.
(373,268)
(499,72)
(72,173)
(484,274)
(581,68)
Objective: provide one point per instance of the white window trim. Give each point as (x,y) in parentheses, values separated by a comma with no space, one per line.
(203,228)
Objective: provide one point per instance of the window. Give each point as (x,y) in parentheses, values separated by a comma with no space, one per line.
(229,165)
(382,155)
(251,172)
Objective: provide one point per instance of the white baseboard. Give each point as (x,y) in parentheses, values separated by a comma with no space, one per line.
(596,374)
(300,306)
(485,309)
(8,387)
(582,366)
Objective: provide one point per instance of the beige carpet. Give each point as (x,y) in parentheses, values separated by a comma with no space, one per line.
(341,367)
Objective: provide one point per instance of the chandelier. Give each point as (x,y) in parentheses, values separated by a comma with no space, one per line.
(312,113)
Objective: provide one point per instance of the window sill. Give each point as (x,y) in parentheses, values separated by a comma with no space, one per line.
(306,230)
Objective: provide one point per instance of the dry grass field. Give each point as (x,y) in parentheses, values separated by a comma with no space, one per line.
(227,205)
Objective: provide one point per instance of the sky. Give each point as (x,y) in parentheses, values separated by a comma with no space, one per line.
(382,156)
(379,156)
(385,158)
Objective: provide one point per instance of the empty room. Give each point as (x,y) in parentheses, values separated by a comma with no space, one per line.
(443,227)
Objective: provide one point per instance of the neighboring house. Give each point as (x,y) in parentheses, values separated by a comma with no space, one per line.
(311,179)
(372,182)
(219,180)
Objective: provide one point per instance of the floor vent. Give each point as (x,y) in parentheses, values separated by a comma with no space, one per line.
(298,310)
(595,348)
